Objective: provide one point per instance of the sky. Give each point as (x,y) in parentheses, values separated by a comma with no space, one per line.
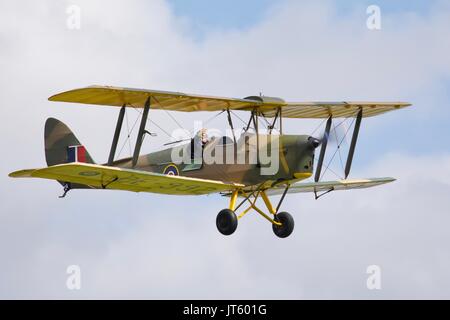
(146,246)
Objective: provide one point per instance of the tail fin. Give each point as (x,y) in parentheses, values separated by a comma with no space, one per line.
(61,145)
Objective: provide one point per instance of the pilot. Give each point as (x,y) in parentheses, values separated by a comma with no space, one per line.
(198,143)
(202,137)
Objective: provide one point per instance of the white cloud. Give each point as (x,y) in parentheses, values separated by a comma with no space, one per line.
(150,246)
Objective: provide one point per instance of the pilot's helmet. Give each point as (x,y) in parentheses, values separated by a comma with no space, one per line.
(202,135)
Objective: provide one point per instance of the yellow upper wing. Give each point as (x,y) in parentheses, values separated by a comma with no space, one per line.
(177,101)
(126,179)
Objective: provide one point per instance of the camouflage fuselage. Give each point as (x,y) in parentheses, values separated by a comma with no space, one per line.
(295,161)
(290,157)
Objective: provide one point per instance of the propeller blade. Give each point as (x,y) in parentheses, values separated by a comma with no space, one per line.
(324,142)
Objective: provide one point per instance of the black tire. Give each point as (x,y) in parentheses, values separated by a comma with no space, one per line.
(287,225)
(226,222)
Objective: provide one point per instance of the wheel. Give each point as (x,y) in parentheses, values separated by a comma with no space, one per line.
(226,222)
(287,225)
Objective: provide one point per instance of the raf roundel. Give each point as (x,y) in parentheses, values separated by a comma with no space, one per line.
(171,170)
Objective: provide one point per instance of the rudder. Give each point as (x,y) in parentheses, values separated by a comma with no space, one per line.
(61,145)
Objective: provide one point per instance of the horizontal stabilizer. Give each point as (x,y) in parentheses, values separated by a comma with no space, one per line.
(105,177)
(331,185)
(26,173)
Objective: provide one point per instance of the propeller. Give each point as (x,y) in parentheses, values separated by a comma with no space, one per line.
(332,137)
(323,142)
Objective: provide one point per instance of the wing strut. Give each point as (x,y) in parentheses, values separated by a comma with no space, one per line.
(112,152)
(141,133)
(230,122)
(281,121)
(351,151)
(272,126)
(255,123)
(323,148)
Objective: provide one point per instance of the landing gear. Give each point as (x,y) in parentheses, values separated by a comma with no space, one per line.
(282,223)
(287,225)
(226,222)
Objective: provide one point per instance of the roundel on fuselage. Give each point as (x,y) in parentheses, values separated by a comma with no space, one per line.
(171,170)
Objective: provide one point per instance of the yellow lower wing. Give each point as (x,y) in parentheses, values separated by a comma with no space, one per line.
(126,179)
(321,186)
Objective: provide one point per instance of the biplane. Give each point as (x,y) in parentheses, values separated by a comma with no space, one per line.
(69,163)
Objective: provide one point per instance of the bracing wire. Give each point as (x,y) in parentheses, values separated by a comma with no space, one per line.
(245,123)
(317,128)
(128,134)
(327,167)
(171,116)
(151,121)
(338,147)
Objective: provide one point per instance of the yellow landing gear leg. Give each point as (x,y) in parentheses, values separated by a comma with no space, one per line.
(267,202)
(282,223)
(234,196)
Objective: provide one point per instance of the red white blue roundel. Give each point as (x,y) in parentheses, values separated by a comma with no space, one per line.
(171,170)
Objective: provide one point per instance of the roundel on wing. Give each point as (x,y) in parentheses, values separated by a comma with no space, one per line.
(171,170)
